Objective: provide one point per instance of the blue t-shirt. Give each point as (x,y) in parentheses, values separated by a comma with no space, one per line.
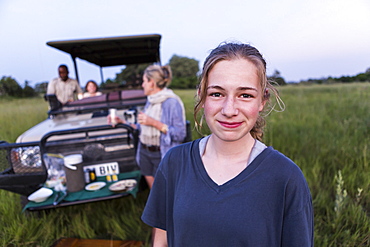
(267,204)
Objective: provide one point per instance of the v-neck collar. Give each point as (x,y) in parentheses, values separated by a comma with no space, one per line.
(233,181)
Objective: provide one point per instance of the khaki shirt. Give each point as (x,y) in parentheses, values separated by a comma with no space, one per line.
(64,90)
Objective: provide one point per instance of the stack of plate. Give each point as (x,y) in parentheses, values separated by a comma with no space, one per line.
(123,185)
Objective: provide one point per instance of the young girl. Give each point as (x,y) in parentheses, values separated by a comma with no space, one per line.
(91,89)
(230,189)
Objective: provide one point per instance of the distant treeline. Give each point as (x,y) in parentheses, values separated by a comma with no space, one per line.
(185,76)
(361,77)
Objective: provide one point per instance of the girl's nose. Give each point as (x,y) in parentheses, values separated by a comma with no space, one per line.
(229,108)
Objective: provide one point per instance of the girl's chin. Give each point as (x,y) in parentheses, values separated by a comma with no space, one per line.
(230,137)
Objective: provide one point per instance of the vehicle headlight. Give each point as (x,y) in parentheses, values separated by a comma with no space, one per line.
(26,157)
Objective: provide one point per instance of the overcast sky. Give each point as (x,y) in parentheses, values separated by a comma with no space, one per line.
(301,39)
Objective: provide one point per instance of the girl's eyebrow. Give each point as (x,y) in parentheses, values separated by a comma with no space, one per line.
(247,88)
(239,88)
(215,87)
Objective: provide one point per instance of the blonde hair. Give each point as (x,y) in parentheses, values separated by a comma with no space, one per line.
(232,51)
(162,75)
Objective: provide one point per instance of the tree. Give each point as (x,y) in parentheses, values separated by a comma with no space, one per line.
(362,77)
(345,79)
(130,76)
(9,86)
(28,91)
(367,71)
(106,83)
(276,76)
(184,72)
(41,87)
(183,66)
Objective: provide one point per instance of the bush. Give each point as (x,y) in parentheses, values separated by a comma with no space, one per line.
(10,87)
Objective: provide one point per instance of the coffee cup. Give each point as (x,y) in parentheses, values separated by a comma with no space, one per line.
(113,114)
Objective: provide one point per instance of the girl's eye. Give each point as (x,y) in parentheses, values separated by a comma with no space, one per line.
(245,95)
(215,94)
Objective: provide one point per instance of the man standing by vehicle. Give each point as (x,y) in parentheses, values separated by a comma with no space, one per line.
(64,87)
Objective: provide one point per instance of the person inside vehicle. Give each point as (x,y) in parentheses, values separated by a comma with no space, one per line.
(162,123)
(66,89)
(91,89)
(229,188)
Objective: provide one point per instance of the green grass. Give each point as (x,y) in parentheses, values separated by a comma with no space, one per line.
(325,130)
(18,115)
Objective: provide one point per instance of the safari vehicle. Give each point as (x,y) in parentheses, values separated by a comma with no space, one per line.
(37,159)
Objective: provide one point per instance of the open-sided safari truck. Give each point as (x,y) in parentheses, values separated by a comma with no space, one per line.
(74,156)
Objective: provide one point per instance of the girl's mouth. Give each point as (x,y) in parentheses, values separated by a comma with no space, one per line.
(230,124)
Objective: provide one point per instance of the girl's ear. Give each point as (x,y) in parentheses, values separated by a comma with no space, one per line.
(263,103)
(151,80)
(266,96)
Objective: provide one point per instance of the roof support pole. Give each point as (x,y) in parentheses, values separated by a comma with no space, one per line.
(101,74)
(75,66)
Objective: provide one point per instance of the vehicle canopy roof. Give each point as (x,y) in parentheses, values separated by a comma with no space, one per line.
(112,51)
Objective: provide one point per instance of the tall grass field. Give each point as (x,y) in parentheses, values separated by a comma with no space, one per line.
(325,130)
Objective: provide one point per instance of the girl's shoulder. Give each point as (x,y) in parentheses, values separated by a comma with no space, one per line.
(278,163)
(184,153)
(184,148)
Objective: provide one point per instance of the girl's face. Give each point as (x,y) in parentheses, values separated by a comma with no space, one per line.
(91,88)
(233,99)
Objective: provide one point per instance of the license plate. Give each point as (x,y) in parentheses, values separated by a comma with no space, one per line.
(104,169)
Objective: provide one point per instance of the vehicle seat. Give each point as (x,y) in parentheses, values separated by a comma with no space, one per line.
(54,103)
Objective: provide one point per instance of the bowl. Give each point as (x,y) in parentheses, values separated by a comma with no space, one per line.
(40,195)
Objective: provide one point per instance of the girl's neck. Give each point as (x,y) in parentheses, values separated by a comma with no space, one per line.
(155,90)
(225,160)
(230,149)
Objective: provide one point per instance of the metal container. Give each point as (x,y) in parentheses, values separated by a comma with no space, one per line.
(73,168)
